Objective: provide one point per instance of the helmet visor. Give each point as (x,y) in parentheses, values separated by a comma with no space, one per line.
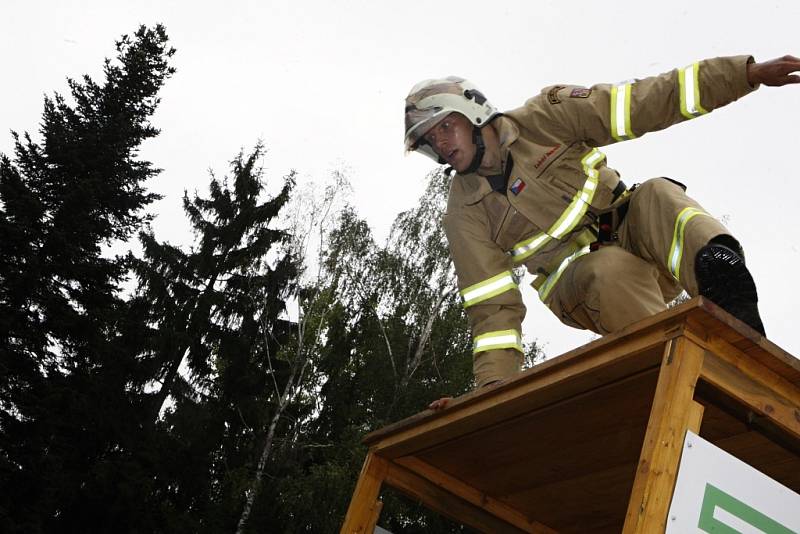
(419,122)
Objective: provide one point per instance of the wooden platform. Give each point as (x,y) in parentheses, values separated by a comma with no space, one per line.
(590,441)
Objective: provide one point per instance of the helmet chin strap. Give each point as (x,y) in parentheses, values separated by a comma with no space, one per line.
(480,149)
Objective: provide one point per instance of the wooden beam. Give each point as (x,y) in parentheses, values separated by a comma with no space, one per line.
(746,364)
(723,332)
(753,387)
(696,411)
(544,384)
(670,417)
(362,514)
(473,496)
(376,513)
(445,503)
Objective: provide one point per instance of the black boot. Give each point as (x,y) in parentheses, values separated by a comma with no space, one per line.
(723,278)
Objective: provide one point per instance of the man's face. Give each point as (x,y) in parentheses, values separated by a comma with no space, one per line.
(451,138)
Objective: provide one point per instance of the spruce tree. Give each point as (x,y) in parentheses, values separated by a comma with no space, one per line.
(216,334)
(68,397)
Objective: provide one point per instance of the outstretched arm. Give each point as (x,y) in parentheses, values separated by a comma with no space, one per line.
(775,72)
(607,113)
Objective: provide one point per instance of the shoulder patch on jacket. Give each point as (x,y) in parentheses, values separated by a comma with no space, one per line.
(580,92)
(552,94)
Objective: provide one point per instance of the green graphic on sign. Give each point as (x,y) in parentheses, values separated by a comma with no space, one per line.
(716,498)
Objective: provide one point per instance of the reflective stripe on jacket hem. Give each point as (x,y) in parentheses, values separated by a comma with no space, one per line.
(500,339)
(488,288)
(676,250)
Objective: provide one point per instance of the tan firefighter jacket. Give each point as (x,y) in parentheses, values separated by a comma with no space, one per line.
(559,183)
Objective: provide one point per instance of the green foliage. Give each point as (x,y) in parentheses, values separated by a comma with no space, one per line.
(395,338)
(68,410)
(215,310)
(177,407)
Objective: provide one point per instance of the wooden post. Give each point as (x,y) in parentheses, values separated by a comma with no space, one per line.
(673,412)
(362,515)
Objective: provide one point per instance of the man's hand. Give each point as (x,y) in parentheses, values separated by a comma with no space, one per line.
(440,404)
(775,72)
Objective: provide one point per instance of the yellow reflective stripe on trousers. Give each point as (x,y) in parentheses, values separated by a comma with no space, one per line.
(689,80)
(551,280)
(500,339)
(488,288)
(676,250)
(571,216)
(621,112)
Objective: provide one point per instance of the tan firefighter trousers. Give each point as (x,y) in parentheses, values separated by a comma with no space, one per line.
(636,276)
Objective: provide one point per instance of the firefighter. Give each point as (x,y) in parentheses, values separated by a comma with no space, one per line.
(531,188)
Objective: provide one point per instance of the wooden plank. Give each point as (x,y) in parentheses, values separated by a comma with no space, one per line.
(696,411)
(746,384)
(714,322)
(571,438)
(719,422)
(756,450)
(550,383)
(473,496)
(364,505)
(669,420)
(444,502)
(594,502)
(754,368)
(752,364)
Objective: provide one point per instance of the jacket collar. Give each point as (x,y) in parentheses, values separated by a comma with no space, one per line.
(475,186)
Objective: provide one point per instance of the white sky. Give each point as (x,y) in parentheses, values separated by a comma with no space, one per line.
(323,83)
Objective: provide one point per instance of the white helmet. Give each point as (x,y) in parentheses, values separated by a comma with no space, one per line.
(430,101)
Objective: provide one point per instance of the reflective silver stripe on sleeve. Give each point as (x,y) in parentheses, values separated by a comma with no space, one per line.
(689,81)
(488,288)
(621,112)
(551,280)
(500,339)
(676,250)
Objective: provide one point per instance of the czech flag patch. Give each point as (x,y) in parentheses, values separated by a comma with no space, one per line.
(517,186)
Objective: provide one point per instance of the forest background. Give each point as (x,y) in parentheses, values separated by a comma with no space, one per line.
(220,375)
(222,386)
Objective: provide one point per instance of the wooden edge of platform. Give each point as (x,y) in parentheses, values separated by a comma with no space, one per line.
(695,314)
(751,341)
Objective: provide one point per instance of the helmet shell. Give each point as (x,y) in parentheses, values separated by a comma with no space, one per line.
(432,100)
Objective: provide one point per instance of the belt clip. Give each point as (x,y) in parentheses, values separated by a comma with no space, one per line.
(605,231)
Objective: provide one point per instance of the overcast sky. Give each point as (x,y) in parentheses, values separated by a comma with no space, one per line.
(323,83)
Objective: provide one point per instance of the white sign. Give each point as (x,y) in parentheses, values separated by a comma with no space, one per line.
(718,493)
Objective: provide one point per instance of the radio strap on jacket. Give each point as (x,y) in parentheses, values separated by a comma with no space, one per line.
(499,182)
